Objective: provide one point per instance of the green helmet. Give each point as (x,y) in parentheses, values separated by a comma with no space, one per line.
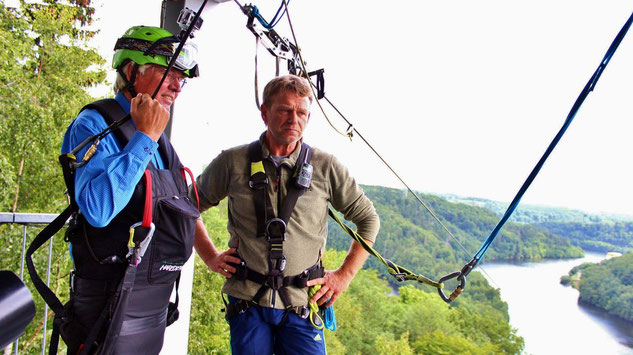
(154,45)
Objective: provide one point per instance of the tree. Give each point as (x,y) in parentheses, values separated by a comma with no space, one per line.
(46,68)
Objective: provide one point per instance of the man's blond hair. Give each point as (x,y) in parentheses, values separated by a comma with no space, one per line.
(284,83)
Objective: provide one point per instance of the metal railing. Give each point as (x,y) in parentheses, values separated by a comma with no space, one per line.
(176,336)
(31,220)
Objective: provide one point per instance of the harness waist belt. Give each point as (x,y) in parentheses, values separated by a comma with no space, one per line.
(300,281)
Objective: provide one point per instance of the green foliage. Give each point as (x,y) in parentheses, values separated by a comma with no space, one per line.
(45,69)
(208,331)
(609,285)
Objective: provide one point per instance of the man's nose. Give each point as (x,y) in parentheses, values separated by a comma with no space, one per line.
(174,84)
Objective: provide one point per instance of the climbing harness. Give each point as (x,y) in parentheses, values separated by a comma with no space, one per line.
(273,228)
(99,260)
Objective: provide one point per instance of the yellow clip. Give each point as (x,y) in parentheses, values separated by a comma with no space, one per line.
(90,152)
(130,243)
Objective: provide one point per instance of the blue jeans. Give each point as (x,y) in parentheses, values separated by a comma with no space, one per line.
(260,330)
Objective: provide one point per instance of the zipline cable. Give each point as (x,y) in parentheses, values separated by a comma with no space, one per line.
(349,134)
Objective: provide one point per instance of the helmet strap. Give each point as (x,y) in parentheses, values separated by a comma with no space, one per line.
(130,82)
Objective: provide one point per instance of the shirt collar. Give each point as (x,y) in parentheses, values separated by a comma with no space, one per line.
(123,101)
(291,160)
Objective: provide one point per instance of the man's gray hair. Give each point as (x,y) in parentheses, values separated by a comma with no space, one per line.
(120,83)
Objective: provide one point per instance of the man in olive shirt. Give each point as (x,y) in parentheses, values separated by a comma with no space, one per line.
(272,262)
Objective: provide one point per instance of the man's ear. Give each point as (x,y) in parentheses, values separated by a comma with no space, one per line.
(264,110)
(128,71)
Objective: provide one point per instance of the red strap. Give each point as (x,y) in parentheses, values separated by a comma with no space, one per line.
(193,183)
(147,211)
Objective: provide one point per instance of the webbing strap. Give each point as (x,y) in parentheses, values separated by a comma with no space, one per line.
(47,294)
(42,237)
(258,183)
(147,210)
(397,271)
(581,98)
(461,275)
(121,298)
(293,191)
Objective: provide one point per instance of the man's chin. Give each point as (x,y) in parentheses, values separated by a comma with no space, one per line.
(166,105)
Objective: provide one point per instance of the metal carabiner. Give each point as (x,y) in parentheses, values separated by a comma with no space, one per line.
(282,227)
(139,250)
(457,291)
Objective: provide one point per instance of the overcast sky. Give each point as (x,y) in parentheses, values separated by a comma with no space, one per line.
(458,96)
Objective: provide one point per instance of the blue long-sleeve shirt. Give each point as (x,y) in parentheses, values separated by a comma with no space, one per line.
(104,186)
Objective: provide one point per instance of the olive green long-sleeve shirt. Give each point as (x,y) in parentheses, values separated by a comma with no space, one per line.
(228,175)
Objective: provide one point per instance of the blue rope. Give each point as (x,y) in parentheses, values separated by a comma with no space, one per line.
(583,95)
(329,319)
(274,21)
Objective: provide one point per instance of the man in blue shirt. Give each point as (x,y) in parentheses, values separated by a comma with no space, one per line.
(134,175)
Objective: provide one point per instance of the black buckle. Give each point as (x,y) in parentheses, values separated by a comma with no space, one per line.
(302,279)
(275,282)
(256,182)
(303,312)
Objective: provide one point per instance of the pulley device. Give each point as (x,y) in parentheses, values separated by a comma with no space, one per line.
(461,274)
(280,47)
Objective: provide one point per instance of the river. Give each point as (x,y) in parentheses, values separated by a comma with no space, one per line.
(547,314)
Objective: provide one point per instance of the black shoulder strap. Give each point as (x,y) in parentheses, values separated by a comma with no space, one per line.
(47,294)
(258,182)
(112,112)
(294,190)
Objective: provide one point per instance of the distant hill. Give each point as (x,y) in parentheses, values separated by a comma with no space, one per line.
(602,237)
(594,232)
(410,236)
(538,214)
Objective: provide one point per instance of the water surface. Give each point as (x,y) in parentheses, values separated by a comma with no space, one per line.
(548,315)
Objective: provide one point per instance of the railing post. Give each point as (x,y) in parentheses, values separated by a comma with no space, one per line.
(48,281)
(15,344)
